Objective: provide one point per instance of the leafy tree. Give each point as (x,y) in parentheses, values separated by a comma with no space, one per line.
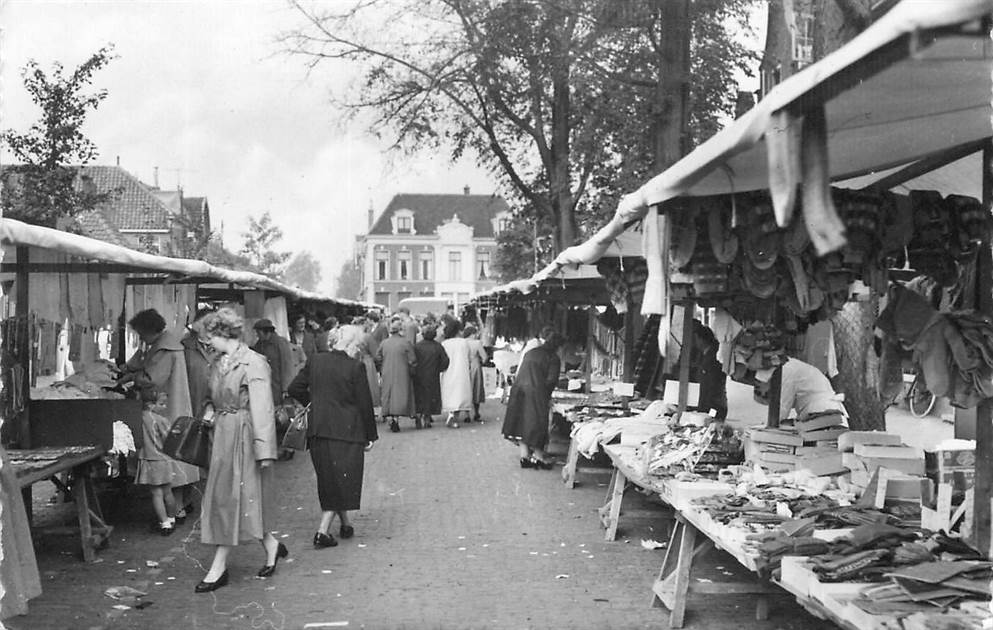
(348,284)
(43,188)
(259,243)
(303,271)
(556,96)
(520,251)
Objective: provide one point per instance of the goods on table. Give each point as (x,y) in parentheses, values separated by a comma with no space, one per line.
(90,382)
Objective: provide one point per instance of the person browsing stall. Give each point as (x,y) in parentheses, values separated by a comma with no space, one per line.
(526,419)
(807,390)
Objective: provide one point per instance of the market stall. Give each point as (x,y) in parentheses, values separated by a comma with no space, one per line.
(64,302)
(781,249)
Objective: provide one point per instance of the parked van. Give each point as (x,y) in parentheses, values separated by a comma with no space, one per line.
(425,305)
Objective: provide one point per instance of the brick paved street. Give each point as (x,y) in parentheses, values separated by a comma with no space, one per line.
(453,534)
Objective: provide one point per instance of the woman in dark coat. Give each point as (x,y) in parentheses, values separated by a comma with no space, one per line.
(397,363)
(526,420)
(340,430)
(432,360)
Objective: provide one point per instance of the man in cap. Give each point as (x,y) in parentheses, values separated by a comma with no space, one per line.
(279,354)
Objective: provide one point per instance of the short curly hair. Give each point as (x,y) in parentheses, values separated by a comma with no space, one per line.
(224,323)
(148,321)
(452,328)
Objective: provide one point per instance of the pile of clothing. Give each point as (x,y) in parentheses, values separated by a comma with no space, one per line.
(954,350)
(923,586)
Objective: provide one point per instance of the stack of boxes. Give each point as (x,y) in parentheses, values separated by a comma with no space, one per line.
(952,462)
(811,445)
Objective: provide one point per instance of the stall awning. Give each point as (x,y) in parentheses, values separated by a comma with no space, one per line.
(16,233)
(572,285)
(914,84)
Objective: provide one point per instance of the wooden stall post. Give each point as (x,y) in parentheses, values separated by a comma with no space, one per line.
(21,312)
(590,345)
(982,510)
(775,398)
(684,356)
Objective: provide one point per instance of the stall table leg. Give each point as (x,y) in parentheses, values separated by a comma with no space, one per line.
(611,511)
(673,584)
(572,467)
(94,532)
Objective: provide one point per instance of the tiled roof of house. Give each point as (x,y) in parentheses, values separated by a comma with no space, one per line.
(95,225)
(196,209)
(134,206)
(430,211)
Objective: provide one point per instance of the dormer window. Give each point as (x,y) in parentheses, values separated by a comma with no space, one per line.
(502,223)
(403,222)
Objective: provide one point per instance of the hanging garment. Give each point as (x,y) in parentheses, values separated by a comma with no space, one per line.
(112,287)
(782,145)
(827,232)
(44,297)
(682,234)
(95,307)
(723,240)
(655,244)
(725,328)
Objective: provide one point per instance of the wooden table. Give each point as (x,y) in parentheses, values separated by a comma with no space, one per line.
(673,585)
(34,465)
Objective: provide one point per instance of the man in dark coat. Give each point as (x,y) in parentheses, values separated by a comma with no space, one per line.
(431,362)
(341,428)
(710,375)
(526,420)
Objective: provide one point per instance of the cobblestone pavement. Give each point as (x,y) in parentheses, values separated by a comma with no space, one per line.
(452,534)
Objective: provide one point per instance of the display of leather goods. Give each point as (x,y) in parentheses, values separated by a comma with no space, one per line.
(897,219)
(932,221)
(188,441)
(760,282)
(683,234)
(709,278)
(795,237)
(723,240)
(296,434)
(763,239)
(860,211)
(973,224)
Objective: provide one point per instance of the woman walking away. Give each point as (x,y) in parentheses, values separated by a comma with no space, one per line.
(397,362)
(365,347)
(431,362)
(238,494)
(526,420)
(477,357)
(158,372)
(342,428)
(456,384)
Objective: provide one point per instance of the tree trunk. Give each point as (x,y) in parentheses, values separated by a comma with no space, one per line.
(560,176)
(859,376)
(671,101)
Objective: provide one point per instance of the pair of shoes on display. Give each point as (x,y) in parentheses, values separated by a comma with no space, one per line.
(269,569)
(394,425)
(206,587)
(346,531)
(323,541)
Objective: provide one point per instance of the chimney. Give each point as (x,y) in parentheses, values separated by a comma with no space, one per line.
(370,213)
(118,160)
(155,176)
(465,190)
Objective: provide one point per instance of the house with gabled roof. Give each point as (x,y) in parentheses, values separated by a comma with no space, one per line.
(431,245)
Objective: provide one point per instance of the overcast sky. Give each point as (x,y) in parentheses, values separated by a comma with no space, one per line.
(201,91)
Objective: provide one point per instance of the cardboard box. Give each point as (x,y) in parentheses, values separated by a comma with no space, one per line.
(950,459)
(847,441)
(775,436)
(823,435)
(889,451)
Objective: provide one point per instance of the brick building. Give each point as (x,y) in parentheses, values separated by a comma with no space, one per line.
(431,246)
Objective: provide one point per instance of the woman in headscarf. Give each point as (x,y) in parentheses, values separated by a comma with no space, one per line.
(365,353)
(341,428)
(456,384)
(397,362)
(237,501)
(158,372)
(431,362)
(477,357)
(526,420)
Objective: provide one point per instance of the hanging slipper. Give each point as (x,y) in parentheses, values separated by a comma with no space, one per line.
(682,239)
(723,240)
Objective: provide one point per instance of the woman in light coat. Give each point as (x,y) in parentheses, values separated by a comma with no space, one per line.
(238,496)
(456,382)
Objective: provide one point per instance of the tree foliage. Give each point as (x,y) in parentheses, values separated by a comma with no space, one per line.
(556,96)
(259,246)
(43,187)
(303,271)
(348,284)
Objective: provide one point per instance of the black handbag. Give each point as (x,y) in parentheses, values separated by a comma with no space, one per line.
(188,441)
(296,434)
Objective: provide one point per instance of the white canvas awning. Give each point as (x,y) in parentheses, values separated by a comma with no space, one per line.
(914,84)
(17,233)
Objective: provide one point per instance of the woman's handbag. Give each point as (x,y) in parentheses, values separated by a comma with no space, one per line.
(296,434)
(188,441)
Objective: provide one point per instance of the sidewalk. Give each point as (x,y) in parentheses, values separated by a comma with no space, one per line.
(453,534)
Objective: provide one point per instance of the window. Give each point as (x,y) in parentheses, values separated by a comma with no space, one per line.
(427,260)
(803,41)
(483,260)
(503,224)
(403,259)
(455,265)
(405,225)
(382,265)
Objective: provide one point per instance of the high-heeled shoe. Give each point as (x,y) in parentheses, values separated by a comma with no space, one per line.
(206,587)
(269,569)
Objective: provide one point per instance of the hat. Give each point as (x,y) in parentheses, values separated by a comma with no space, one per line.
(264,324)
